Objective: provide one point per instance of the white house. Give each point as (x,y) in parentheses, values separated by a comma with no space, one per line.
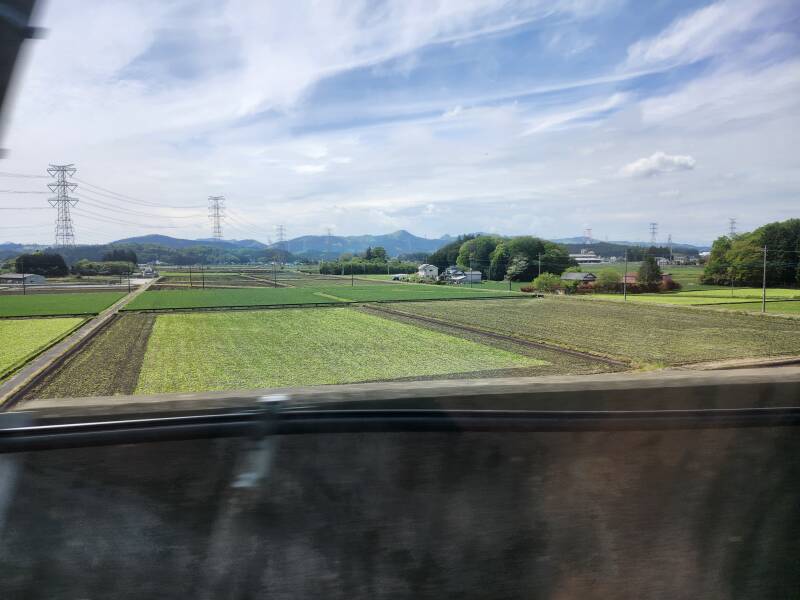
(586,257)
(17,278)
(428,271)
(467,277)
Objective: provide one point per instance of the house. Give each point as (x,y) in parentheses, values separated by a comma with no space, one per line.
(467,277)
(586,257)
(428,271)
(581,277)
(19,278)
(148,272)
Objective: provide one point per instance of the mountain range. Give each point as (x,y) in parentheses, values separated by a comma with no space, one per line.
(314,247)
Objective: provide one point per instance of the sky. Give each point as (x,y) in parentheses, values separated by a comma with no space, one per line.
(539,117)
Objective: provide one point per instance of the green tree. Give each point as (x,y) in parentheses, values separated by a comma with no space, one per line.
(40,263)
(498,264)
(120,255)
(649,273)
(518,268)
(368,253)
(547,282)
(608,280)
(476,253)
(448,254)
(379,254)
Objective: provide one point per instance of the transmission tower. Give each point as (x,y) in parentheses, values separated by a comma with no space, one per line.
(669,243)
(216,212)
(587,236)
(281,232)
(65,235)
(653,233)
(732,226)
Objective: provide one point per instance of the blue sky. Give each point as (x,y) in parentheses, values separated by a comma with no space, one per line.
(516,117)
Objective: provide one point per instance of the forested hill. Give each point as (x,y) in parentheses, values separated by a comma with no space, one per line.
(396,243)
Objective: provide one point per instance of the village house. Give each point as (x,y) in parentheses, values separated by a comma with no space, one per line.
(428,271)
(581,277)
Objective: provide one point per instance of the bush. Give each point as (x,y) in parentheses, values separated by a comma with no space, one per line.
(39,263)
(547,282)
(527,289)
(669,286)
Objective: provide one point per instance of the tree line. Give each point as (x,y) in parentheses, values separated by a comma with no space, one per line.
(739,259)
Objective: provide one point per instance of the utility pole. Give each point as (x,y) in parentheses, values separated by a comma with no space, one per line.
(540,264)
(669,243)
(190,275)
(764,283)
(653,233)
(203,276)
(22,265)
(65,235)
(625,278)
(129,281)
(216,212)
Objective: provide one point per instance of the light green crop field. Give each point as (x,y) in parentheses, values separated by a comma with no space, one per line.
(21,339)
(219,298)
(296,347)
(714,298)
(34,305)
(640,333)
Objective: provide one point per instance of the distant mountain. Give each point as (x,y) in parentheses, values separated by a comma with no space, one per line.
(677,247)
(396,243)
(171,242)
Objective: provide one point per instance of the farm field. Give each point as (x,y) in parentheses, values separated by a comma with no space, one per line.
(79,303)
(24,338)
(789,307)
(107,365)
(643,334)
(712,298)
(293,347)
(218,298)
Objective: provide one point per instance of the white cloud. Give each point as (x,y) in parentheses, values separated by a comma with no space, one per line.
(658,163)
(306,169)
(706,32)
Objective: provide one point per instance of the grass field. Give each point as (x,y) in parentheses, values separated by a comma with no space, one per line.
(24,338)
(217,351)
(217,298)
(640,333)
(741,299)
(34,305)
(784,308)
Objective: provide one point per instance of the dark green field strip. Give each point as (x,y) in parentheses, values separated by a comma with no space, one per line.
(221,298)
(106,365)
(641,333)
(84,303)
(267,297)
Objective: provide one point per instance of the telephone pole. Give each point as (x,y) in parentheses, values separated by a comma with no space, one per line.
(653,233)
(216,212)
(764,283)
(65,235)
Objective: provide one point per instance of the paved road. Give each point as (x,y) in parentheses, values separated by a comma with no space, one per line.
(46,358)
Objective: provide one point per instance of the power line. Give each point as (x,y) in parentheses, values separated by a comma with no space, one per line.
(111,194)
(22,175)
(65,235)
(22,192)
(216,212)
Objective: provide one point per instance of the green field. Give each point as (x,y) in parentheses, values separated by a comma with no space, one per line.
(34,305)
(643,334)
(218,298)
(787,308)
(217,351)
(24,338)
